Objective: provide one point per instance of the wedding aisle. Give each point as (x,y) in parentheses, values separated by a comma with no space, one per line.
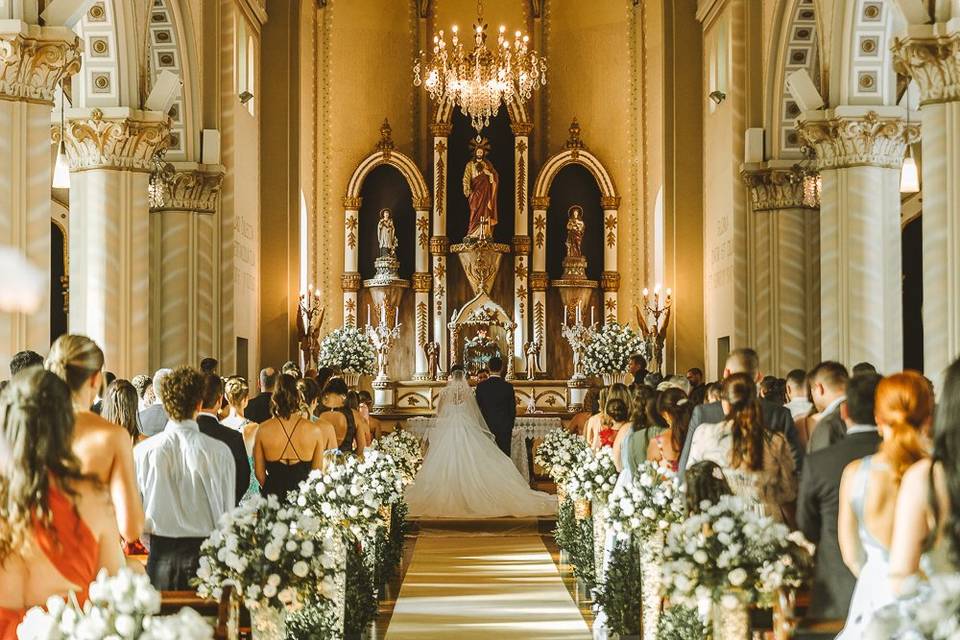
(483,586)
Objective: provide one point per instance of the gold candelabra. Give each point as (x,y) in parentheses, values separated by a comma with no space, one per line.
(309,320)
(653,319)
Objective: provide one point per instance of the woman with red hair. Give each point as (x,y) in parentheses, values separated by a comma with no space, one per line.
(869,489)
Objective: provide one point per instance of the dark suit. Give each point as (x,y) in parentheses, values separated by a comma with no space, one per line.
(830,429)
(258,409)
(153,420)
(498,404)
(210,426)
(818,508)
(775,417)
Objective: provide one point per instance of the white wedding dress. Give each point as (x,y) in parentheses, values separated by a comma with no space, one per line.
(464,474)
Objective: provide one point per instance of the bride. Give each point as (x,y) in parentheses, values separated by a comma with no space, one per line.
(465,475)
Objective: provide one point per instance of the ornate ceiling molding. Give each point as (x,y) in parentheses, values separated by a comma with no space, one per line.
(843,140)
(775,189)
(193,190)
(932,61)
(34,60)
(122,139)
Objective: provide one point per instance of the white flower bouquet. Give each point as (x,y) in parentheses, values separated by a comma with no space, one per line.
(404,448)
(347,349)
(728,547)
(558,452)
(594,475)
(382,475)
(649,505)
(610,349)
(928,610)
(277,557)
(123,606)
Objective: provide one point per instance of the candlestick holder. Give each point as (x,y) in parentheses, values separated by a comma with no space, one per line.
(579,336)
(653,319)
(309,320)
(382,336)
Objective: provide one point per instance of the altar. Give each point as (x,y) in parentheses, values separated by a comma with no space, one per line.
(525,429)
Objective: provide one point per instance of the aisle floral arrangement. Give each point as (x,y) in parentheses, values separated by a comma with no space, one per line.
(558,454)
(347,349)
(649,505)
(928,611)
(593,476)
(610,349)
(404,448)
(123,606)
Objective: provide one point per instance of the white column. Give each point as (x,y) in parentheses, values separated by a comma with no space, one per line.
(421,288)
(110,153)
(521,243)
(538,275)
(611,274)
(34,61)
(184,284)
(929,56)
(350,282)
(859,154)
(439,243)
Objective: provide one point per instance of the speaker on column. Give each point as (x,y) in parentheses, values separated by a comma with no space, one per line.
(65,13)
(165,91)
(804,92)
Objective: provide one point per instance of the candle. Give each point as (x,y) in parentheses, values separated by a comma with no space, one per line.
(579,317)
(383,313)
(368,315)
(591,315)
(564,315)
(396,316)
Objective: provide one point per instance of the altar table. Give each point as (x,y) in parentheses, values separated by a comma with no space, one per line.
(524,428)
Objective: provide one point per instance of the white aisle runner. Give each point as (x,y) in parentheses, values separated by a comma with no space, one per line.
(484,587)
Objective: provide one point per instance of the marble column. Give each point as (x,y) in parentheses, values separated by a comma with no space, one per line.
(421,289)
(350,282)
(610,281)
(784,283)
(439,243)
(521,242)
(859,154)
(185,257)
(110,152)
(539,281)
(931,57)
(33,62)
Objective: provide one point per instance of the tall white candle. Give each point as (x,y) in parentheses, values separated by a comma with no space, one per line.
(591,315)
(564,315)
(396,316)
(368,315)
(383,313)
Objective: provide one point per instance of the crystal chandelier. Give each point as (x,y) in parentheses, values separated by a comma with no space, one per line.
(480,81)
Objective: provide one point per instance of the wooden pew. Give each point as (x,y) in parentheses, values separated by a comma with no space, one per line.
(226,615)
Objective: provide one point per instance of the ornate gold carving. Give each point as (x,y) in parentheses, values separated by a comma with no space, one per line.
(539,281)
(421,204)
(352,203)
(423,232)
(441,129)
(774,189)
(540,203)
(933,62)
(610,226)
(520,269)
(440,174)
(386,146)
(422,323)
(521,181)
(439,245)
(521,295)
(610,202)
(350,224)
(540,230)
(851,141)
(422,282)
(521,245)
(350,282)
(192,190)
(521,128)
(34,60)
(610,281)
(539,322)
(124,143)
(574,141)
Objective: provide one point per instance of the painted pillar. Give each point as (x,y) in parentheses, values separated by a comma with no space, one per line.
(539,281)
(421,288)
(439,242)
(859,153)
(610,281)
(350,281)
(110,152)
(521,242)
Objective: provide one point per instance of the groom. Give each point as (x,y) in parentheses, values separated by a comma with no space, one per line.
(498,404)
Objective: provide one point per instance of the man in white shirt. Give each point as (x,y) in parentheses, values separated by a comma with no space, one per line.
(186,480)
(798,404)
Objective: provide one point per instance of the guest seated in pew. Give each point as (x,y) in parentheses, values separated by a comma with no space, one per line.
(57,526)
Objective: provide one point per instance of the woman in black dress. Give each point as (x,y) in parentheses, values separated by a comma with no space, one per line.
(350,427)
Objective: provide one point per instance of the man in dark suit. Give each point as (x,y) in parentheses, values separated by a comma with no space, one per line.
(210,426)
(828,386)
(154,418)
(498,404)
(818,504)
(258,409)
(775,417)
(638,369)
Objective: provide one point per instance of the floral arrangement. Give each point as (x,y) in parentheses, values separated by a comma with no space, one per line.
(649,505)
(558,452)
(610,349)
(123,606)
(594,475)
(277,557)
(347,349)
(729,548)
(928,611)
(404,448)
(382,475)
(680,623)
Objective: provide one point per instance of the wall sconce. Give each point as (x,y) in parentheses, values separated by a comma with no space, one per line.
(245,97)
(717,96)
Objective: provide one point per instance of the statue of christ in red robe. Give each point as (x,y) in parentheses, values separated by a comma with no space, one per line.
(480,184)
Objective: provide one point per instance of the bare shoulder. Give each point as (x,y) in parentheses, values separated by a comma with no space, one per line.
(849,471)
(92,424)
(91,498)
(917,477)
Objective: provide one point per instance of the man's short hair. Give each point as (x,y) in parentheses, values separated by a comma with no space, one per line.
(863,367)
(212,391)
(861,394)
(140,382)
(831,374)
(797,378)
(158,377)
(209,365)
(639,360)
(24,360)
(268,378)
(181,391)
(697,371)
(743,360)
(496,365)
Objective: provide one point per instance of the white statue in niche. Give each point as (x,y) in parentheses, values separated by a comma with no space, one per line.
(386,235)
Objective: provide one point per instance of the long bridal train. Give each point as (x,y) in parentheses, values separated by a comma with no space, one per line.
(464,474)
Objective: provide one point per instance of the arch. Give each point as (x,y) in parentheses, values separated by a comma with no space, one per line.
(402,163)
(109,77)
(574,155)
(515,109)
(861,58)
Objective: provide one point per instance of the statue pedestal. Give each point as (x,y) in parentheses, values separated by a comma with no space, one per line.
(384,396)
(574,287)
(481,262)
(386,287)
(576,392)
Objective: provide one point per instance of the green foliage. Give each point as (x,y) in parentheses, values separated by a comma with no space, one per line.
(312,621)
(361,600)
(680,623)
(618,595)
(576,538)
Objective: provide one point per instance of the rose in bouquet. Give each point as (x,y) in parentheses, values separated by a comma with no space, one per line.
(347,349)
(343,496)
(123,606)
(404,448)
(649,505)
(594,475)
(558,452)
(277,557)
(611,348)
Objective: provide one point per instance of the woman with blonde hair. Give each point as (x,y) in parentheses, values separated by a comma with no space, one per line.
(104,449)
(236,391)
(869,489)
(57,526)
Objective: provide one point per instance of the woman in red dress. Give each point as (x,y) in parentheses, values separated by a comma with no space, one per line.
(57,527)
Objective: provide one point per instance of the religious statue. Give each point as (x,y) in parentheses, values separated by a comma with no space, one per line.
(432,351)
(480,184)
(478,350)
(309,320)
(575,229)
(386,235)
(532,351)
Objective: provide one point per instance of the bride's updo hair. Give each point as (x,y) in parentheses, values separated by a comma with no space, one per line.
(904,403)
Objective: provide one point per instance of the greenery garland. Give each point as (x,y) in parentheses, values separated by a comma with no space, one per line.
(680,623)
(361,605)
(618,595)
(312,621)
(576,538)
